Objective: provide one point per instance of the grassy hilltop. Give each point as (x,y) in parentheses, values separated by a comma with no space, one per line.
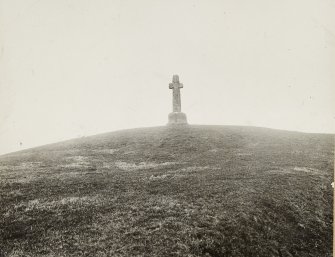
(171,191)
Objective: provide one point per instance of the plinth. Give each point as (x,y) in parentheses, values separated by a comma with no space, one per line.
(177,118)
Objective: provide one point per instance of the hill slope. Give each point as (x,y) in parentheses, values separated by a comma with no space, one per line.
(171,191)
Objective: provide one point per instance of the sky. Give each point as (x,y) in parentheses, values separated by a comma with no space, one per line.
(73,68)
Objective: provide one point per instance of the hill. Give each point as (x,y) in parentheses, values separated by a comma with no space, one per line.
(171,191)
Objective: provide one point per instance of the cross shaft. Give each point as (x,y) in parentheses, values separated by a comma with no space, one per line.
(175,86)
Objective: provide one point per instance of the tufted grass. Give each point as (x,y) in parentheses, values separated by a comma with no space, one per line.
(171,191)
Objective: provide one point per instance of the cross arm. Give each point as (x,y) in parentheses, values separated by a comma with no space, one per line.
(177,85)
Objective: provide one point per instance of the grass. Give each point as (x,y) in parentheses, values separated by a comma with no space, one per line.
(171,191)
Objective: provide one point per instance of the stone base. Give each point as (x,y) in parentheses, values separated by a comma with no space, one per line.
(177,118)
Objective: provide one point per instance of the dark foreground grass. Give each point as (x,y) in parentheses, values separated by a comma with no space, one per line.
(184,191)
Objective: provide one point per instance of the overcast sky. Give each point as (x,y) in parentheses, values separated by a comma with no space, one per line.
(72,68)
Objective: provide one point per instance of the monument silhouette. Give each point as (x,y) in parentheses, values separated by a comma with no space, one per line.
(176,117)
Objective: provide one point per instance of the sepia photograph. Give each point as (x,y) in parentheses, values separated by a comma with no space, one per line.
(160,128)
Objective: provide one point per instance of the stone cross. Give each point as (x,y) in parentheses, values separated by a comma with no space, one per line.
(175,86)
